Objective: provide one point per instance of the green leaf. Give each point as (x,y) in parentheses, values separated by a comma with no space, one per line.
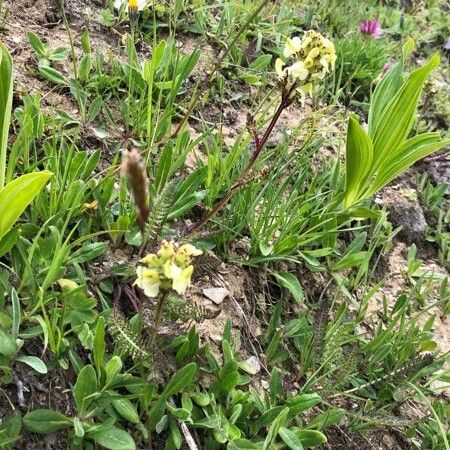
(8,346)
(113,438)
(275,428)
(164,167)
(302,403)
(33,361)
(46,421)
(6,95)
(327,418)
(88,252)
(310,438)
(408,153)
(8,241)
(243,444)
(290,439)
(85,387)
(53,75)
(398,116)
(98,351)
(37,45)
(358,160)
(180,380)
(383,95)
(10,430)
(17,195)
(290,282)
(126,409)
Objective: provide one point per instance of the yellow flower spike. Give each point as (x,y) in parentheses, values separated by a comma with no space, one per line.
(148,280)
(183,280)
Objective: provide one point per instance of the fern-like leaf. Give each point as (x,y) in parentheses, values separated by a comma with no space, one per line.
(129,339)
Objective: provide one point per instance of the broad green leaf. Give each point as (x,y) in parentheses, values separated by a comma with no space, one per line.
(85,387)
(37,44)
(409,152)
(126,409)
(46,421)
(383,95)
(290,282)
(397,119)
(310,438)
(8,346)
(8,241)
(98,352)
(6,94)
(10,428)
(302,403)
(17,195)
(88,252)
(290,439)
(53,75)
(358,160)
(113,438)
(243,444)
(275,428)
(33,361)
(180,380)
(327,418)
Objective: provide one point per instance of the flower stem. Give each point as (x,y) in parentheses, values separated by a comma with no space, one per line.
(286,100)
(158,314)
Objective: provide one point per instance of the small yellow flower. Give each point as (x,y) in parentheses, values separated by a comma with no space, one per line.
(166,251)
(131,5)
(92,205)
(148,280)
(150,260)
(183,280)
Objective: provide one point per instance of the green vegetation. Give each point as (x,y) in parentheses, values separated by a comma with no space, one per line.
(199,240)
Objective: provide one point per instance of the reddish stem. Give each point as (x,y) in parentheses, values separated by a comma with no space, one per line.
(286,100)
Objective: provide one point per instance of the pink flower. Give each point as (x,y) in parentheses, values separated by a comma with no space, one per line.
(371,27)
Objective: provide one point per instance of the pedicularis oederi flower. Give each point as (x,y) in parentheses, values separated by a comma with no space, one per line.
(306,60)
(170,268)
(371,27)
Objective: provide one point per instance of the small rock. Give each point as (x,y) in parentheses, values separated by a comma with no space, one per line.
(216,295)
(406,211)
(251,365)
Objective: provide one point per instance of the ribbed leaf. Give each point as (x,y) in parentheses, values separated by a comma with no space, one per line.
(408,153)
(17,195)
(6,85)
(358,160)
(397,119)
(387,88)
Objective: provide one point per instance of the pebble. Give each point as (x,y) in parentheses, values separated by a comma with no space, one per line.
(216,295)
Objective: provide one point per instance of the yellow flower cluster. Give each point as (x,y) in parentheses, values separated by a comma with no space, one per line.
(169,268)
(306,60)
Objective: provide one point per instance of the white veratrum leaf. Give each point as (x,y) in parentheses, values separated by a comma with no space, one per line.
(6,94)
(408,153)
(358,160)
(397,119)
(383,95)
(16,196)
